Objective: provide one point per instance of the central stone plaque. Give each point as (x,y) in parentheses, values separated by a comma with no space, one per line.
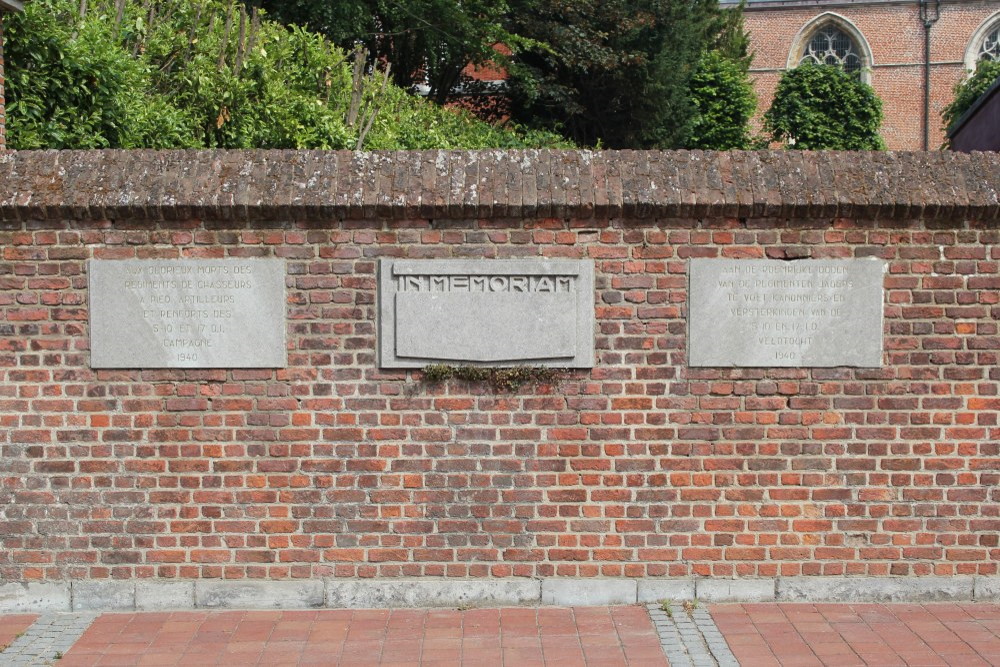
(197,313)
(486,312)
(762,313)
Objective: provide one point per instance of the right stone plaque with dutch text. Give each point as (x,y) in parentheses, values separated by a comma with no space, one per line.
(760,313)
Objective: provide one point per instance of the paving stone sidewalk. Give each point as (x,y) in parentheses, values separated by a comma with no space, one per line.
(686,635)
(843,635)
(515,636)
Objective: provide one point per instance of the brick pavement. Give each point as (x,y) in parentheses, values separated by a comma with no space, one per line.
(751,635)
(513,636)
(842,635)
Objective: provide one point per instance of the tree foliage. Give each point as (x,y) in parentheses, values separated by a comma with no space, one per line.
(821,107)
(72,86)
(721,90)
(724,102)
(968,91)
(207,73)
(612,72)
(428,42)
(729,37)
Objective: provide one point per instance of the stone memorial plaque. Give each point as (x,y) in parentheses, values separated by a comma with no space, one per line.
(763,313)
(197,313)
(486,312)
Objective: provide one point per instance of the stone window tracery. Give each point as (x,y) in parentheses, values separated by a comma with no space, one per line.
(990,48)
(830,45)
(984,44)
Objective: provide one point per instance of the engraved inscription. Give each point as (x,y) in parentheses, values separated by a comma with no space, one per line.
(491,312)
(436,283)
(786,304)
(187,313)
(189,322)
(773,313)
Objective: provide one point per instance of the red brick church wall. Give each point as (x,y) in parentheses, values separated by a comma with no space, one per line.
(895,34)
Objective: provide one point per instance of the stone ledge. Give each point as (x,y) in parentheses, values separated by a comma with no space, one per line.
(103,595)
(589,592)
(658,590)
(148,595)
(248,188)
(735,590)
(259,594)
(986,589)
(385,593)
(19,597)
(874,589)
(155,595)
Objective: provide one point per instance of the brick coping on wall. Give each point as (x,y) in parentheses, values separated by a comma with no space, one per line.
(246,188)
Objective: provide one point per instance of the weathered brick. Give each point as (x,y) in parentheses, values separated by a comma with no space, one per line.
(638,467)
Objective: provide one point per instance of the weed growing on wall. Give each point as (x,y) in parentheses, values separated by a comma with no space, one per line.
(498,379)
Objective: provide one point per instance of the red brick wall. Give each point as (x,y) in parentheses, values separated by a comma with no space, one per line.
(639,467)
(895,34)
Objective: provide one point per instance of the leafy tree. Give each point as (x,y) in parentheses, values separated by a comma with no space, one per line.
(344,22)
(721,90)
(968,91)
(426,41)
(730,37)
(206,73)
(724,101)
(820,107)
(611,72)
(73,86)
(602,72)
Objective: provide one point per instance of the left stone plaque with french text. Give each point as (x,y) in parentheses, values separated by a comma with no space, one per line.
(187,313)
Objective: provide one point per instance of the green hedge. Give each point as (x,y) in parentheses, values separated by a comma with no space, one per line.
(205,74)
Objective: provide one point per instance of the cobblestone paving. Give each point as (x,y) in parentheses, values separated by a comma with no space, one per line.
(47,640)
(13,626)
(689,637)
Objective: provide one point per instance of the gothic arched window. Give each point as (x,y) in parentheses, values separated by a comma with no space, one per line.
(990,48)
(831,39)
(985,43)
(829,45)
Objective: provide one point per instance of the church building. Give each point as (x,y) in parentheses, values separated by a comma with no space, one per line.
(912,52)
